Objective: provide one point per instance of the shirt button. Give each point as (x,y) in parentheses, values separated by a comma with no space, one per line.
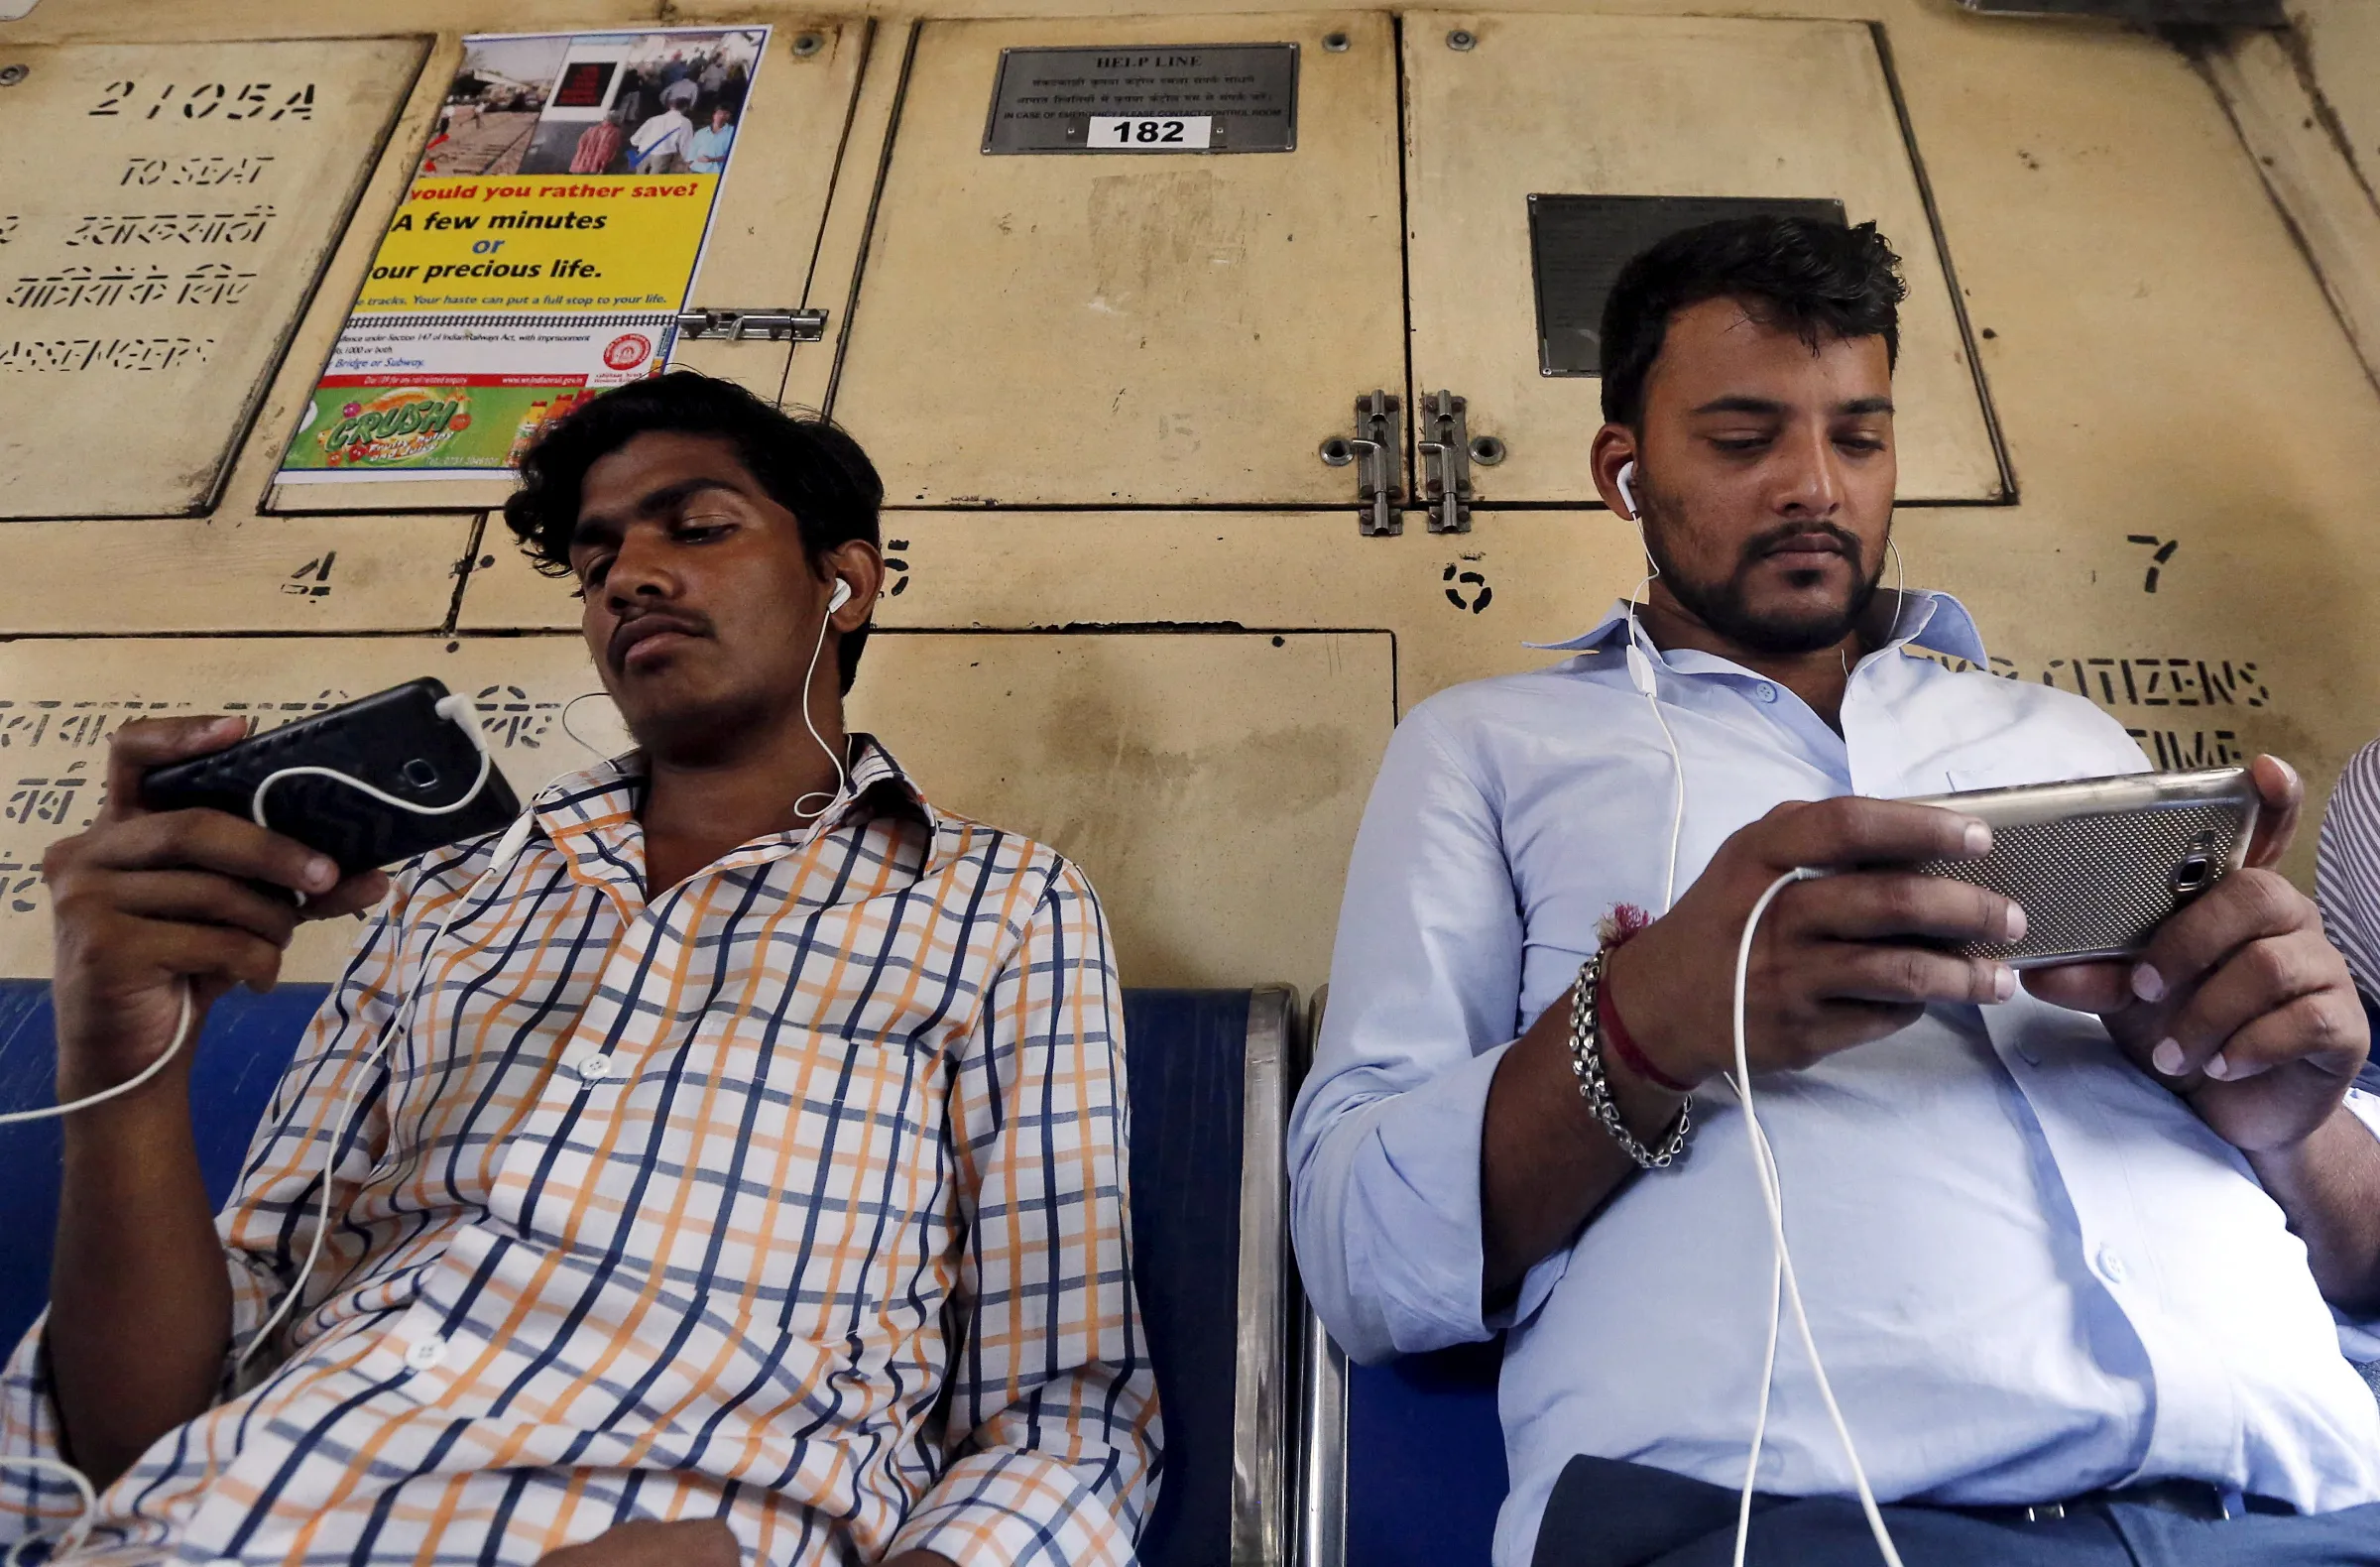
(424,1354)
(593,1067)
(1765,692)
(2112,1265)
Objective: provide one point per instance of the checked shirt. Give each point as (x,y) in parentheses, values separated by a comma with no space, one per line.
(794,1195)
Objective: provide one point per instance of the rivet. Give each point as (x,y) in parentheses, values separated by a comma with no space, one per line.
(1460,40)
(1333,42)
(807,44)
(10,75)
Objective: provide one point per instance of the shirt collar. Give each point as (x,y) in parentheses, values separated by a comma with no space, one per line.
(610,791)
(1933,620)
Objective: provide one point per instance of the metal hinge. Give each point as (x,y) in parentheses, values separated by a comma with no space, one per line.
(775,325)
(1376,450)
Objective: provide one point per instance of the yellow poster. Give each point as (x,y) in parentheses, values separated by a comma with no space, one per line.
(549,240)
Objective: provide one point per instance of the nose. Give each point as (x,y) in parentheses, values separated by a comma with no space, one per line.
(1808,475)
(640,571)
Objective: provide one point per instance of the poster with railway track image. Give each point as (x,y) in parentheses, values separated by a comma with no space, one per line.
(552,232)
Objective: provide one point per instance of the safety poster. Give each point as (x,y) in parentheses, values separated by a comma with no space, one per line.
(542,253)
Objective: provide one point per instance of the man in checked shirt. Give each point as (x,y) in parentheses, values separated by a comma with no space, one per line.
(745,1179)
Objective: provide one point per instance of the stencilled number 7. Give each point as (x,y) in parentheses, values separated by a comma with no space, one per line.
(2165,548)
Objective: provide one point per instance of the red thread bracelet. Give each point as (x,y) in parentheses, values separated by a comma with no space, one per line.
(1624,922)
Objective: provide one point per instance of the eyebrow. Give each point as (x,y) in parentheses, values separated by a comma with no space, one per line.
(601,527)
(1769,406)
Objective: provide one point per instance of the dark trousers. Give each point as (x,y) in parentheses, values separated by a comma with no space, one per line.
(1607,1513)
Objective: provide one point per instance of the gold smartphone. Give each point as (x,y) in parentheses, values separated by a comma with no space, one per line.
(2099,864)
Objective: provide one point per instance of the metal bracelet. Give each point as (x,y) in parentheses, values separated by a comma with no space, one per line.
(1586,1064)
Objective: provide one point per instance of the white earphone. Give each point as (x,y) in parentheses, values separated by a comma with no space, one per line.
(840,597)
(1783,1286)
(826,800)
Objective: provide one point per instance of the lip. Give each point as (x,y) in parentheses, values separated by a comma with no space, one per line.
(651,629)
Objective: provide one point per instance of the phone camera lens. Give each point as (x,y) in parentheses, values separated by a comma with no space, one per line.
(420,774)
(2190,874)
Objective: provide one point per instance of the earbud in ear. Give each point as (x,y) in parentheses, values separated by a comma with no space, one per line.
(1628,491)
(840,597)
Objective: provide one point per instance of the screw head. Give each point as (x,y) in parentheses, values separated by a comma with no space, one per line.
(1460,40)
(1333,42)
(10,75)
(807,44)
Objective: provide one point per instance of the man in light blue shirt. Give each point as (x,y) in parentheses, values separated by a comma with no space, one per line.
(2080,1256)
(707,153)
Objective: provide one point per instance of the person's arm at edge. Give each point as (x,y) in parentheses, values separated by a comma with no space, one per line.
(1047,1467)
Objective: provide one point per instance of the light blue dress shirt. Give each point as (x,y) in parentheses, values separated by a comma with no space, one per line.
(2031,1270)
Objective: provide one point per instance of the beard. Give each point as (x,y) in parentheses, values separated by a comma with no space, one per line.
(1724,606)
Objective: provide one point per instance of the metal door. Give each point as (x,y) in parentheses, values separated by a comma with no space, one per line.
(165,210)
(1504,108)
(1128,325)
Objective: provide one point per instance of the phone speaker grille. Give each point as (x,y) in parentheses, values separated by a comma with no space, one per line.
(2097,886)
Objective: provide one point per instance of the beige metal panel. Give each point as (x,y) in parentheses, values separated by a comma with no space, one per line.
(2309,174)
(1216,827)
(2340,41)
(1123,328)
(2164,364)
(1653,106)
(278,575)
(1210,786)
(843,238)
(165,211)
(763,238)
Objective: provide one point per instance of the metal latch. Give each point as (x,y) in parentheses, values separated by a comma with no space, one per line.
(778,325)
(1376,450)
(1442,446)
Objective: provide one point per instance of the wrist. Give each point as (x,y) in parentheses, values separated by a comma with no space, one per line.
(1639,1047)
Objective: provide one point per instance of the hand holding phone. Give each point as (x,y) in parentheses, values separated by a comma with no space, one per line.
(147,902)
(2238,1002)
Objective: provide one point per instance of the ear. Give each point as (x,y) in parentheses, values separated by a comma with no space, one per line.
(857,569)
(1614,449)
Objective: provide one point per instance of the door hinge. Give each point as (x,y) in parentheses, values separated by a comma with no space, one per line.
(775,325)
(1376,450)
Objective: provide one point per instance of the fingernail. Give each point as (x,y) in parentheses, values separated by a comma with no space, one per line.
(2003,982)
(2288,772)
(2216,1066)
(2147,983)
(2167,1058)
(1978,838)
(228,726)
(320,874)
(2016,923)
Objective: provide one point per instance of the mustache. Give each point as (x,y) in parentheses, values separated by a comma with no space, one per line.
(1764,544)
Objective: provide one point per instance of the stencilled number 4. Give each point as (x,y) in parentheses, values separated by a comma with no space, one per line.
(312,579)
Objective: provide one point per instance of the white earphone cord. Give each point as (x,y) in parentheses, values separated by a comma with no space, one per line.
(457,711)
(1782,1283)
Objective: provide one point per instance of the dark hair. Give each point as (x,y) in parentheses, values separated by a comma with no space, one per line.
(806,465)
(1820,279)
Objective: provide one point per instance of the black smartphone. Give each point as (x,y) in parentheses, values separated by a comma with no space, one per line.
(396,741)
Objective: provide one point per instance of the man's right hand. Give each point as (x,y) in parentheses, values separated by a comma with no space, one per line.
(1839,959)
(146,902)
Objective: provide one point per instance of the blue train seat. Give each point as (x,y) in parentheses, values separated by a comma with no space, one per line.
(1206,1071)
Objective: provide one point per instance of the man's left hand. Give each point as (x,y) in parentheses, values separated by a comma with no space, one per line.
(2240,1005)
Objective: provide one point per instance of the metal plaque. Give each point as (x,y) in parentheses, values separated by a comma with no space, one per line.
(1145,98)
(164,212)
(1579,243)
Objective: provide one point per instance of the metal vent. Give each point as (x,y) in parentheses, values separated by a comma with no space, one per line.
(2059,873)
(2147,13)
